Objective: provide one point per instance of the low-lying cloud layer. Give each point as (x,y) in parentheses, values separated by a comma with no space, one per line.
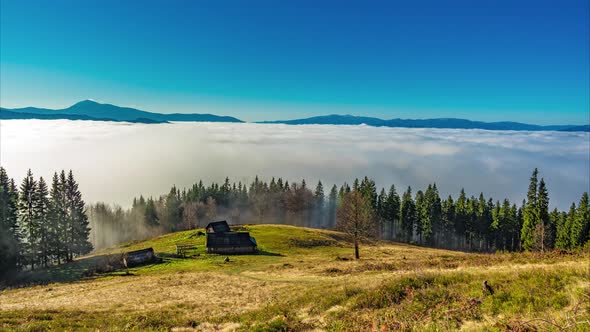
(115,161)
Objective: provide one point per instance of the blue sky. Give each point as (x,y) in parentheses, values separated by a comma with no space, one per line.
(261,60)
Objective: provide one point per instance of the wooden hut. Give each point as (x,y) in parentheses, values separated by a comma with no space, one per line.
(221,240)
(139,257)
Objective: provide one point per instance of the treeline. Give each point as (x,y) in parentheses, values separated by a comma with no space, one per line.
(41,226)
(465,223)
(480,224)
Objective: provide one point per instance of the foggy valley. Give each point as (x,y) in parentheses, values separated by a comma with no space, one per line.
(115,162)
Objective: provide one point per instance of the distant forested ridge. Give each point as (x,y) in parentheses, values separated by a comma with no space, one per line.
(41,224)
(442,123)
(11,115)
(471,223)
(91,110)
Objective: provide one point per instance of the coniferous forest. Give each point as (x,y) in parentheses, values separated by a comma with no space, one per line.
(43,225)
(470,223)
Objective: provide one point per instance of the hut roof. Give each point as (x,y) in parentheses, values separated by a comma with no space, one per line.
(218,227)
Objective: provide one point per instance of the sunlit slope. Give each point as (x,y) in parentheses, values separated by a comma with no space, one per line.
(305,279)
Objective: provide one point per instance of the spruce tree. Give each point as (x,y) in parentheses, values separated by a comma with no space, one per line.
(57,219)
(408,215)
(508,229)
(9,230)
(515,227)
(151,214)
(580,226)
(381,211)
(369,190)
(483,221)
(173,209)
(431,215)
(435,204)
(530,215)
(318,203)
(569,225)
(496,227)
(471,225)
(420,215)
(551,231)
(42,214)
(68,231)
(447,220)
(562,237)
(344,189)
(65,220)
(355,185)
(542,214)
(392,206)
(319,193)
(460,221)
(332,203)
(28,220)
(80,230)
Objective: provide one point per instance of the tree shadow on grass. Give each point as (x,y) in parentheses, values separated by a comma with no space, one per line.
(82,268)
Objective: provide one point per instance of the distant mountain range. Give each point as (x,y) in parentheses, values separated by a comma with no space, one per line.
(446,123)
(5,114)
(93,111)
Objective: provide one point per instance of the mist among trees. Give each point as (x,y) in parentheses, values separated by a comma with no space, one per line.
(471,223)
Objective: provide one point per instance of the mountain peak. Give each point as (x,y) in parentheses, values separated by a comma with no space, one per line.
(86,102)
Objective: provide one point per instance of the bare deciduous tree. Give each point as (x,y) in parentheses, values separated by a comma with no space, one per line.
(190,215)
(211,208)
(355,218)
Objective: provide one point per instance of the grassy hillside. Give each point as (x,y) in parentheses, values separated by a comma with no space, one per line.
(306,279)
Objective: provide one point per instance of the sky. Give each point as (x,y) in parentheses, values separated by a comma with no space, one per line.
(486,60)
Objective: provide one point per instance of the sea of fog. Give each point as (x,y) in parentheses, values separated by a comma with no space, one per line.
(113,162)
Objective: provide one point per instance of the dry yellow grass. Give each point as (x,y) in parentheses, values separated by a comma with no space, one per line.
(317,287)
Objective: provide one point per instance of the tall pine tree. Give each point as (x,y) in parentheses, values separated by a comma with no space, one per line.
(27,205)
(318,203)
(562,238)
(392,207)
(530,218)
(151,214)
(461,216)
(408,215)
(543,225)
(57,218)
(9,230)
(580,226)
(332,203)
(79,225)
(420,215)
(42,209)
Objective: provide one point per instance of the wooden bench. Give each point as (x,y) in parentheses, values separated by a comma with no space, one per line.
(183,249)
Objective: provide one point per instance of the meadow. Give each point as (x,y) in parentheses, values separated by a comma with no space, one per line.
(305,280)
